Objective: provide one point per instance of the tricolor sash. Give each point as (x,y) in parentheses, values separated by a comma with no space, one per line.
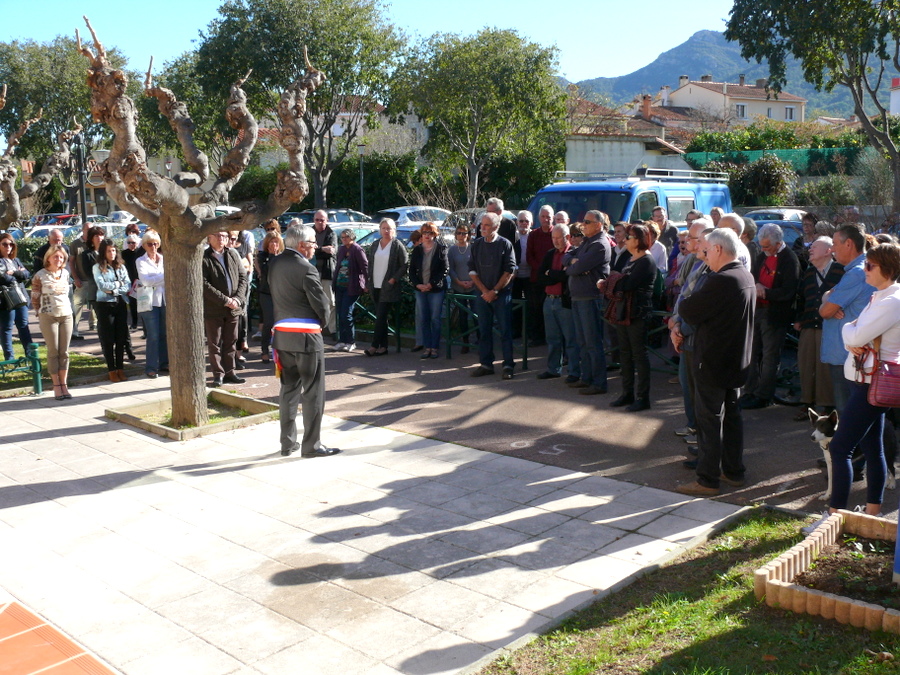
(298,326)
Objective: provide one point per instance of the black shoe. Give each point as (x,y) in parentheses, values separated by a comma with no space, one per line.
(417,348)
(78,337)
(547,375)
(624,399)
(507,373)
(578,384)
(591,391)
(481,371)
(216,382)
(693,450)
(233,379)
(690,464)
(638,405)
(320,452)
(286,452)
(613,366)
(571,379)
(131,356)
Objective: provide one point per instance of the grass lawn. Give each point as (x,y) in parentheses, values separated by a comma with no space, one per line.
(698,616)
(80,365)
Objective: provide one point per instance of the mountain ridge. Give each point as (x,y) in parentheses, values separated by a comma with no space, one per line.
(707,52)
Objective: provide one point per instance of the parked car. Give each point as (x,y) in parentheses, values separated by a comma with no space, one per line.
(287,217)
(788,219)
(404,233)
(775,215)
(61,220)
(412,215)
(43,231)
(97,218)
(468,218)
(335,216)
(122,217)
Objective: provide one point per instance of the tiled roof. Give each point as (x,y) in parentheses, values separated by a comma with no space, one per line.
(746,91)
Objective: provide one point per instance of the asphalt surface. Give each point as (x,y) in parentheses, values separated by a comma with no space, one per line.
(548,422)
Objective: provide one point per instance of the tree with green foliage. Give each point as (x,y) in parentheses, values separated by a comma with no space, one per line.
(48,77)
(349,40)
(482,95)
(846,43)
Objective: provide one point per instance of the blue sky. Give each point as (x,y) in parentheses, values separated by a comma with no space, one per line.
(596,38)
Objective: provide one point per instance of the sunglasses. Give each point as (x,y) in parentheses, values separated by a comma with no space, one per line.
(870,266)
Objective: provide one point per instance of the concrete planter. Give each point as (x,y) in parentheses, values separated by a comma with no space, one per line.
(260,411)
(773,582)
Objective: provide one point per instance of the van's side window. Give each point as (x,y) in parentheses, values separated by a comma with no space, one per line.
(678,208)
(643,206)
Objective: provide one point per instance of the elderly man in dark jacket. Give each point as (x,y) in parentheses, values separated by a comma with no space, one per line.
(224,295)
(721,312)
(777,274)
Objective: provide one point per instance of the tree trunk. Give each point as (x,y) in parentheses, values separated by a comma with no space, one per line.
(320,188)
(184,319)
(895,170)
(472,172)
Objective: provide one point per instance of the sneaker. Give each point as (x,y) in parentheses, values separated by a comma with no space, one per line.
(339,347)
(685,431)
(350,347)
(809,529)
(691,439)
(696,490)
(507,373)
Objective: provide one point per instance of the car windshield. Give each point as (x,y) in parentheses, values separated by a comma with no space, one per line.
(577,203)
(381,215)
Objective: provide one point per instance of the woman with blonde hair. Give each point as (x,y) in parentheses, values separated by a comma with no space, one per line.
(151,274)
(50,300)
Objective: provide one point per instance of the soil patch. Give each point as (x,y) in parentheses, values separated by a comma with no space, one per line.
(857,568)
(218,412)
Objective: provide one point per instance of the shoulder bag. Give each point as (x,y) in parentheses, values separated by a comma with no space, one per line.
(13,296)
(884,390)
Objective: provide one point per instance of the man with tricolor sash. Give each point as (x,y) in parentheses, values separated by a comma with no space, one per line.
(301,309)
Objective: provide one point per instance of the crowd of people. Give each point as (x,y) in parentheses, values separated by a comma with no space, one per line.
(728,295)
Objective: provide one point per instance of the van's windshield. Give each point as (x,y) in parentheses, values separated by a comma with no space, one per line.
(577,203)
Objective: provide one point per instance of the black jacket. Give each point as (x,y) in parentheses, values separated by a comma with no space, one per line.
(721,312)
(215,285)
(440,267)
(784,287)
(546,276)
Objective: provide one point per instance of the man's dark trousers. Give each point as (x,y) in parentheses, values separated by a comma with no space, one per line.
(296,368)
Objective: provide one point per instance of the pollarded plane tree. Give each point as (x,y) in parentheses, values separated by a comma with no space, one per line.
(10,196)
(163,203)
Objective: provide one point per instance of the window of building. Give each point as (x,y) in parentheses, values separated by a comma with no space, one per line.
(769,113)
(741,111)
(789,112)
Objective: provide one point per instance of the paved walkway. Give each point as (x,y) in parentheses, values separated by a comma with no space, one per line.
(218,556)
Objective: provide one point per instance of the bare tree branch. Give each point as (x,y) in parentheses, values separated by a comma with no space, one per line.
(23,128)
(183,126)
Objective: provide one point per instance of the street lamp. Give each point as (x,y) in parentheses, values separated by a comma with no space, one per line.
(75,173)
(168,167)
(362,152)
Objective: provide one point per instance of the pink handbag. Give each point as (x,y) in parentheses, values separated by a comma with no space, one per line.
(884,390)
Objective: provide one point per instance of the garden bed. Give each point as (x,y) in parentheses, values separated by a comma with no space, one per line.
(227,411)
(780,582)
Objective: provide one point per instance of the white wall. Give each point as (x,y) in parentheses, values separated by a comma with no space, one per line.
(616,156)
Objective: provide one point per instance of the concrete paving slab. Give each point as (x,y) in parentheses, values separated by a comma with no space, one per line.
(216,555)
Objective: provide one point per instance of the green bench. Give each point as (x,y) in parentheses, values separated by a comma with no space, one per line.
(30,363)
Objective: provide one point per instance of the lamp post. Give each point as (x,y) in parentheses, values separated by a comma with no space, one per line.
(362,151)
(168,167)
(78,148)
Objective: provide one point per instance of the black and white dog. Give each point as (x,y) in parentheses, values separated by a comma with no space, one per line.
(824,427)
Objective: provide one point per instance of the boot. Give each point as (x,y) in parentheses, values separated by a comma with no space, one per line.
(114,376)
(122,375)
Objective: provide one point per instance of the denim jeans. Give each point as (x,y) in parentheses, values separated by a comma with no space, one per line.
(840,385)
(344,305)
(431,311)
(559,327)
(501,310)
(861,424)
(589,333)
(157,344)
(14,317)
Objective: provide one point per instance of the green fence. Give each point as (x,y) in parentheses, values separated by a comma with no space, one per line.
(808,162)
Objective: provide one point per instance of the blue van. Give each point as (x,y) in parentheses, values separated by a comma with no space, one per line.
(631,198)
